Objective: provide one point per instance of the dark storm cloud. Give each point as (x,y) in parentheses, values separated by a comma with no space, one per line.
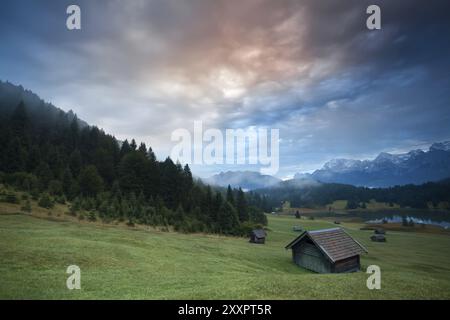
(311,68)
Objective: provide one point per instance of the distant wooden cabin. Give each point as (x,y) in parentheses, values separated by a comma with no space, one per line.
(327,251)
(378,238)
(258,236)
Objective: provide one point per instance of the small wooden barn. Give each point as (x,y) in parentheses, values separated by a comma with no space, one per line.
(378,238)
(327,251)
(258,236)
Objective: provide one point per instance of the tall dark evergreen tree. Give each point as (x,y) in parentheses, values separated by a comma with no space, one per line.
(133,145)
(90,181)
(75,162)
(151,155)
(19,120)
(227,218)
(125,149)
(241,206)
(67,181)
(230,196)
(132,169)
(143,149)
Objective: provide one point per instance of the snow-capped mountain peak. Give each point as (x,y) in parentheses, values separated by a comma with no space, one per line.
(387,169)
(341,164)
(442,146)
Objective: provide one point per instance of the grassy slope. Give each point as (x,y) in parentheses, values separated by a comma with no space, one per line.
(117,262)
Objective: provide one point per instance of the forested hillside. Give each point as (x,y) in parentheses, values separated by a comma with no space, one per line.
(314,195)
(57,158)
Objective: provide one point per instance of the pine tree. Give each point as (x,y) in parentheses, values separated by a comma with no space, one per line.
(104,162)
(15,156)
(230,196)
(208,206)
(75,162)
(75,206)
(241,206)
(34,158)
(227,220)
(143,149)
(151,155)
(67,180)
(133,145)
(179,214)
(45,201)
(132,172)
(90,181)
(92,216)
(44,174)
(19,120)
(218,201)
(74,133)
(187,176)
(125,149)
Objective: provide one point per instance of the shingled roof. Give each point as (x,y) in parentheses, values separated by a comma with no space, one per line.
(335,243)
(259,233)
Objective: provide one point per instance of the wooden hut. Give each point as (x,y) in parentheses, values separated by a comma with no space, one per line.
(327,251)
(378,238)
(258,236)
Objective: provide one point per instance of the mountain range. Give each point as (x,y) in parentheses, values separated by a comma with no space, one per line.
(413,167)
(247,180)
(386,170)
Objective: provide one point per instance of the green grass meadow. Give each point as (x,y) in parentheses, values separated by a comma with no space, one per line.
(124,263)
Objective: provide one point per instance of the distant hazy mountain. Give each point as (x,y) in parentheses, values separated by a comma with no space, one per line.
(247,180)
(414,167)
(299,182)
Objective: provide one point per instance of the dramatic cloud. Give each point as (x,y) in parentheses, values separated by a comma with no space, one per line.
(310,68)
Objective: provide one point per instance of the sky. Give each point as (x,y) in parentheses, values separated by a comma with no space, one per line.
(334,89)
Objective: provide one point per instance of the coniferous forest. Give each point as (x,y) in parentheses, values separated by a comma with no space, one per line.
(55,157)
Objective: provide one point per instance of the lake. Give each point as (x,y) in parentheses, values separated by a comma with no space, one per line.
(429,217)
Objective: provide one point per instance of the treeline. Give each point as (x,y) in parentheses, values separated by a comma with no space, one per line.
(413,196)
(59,158)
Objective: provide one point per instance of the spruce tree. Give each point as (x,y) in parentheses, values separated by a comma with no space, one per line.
(90,181)
(227,220)
(125,149)
(230,196)
(241,206)
(19,120)
(143,149)
(67,180)
(75,162)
